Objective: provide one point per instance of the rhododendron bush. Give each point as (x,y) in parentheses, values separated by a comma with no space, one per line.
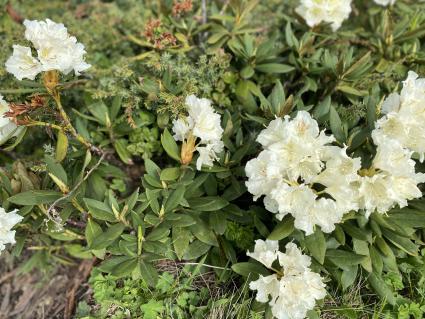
(279,145)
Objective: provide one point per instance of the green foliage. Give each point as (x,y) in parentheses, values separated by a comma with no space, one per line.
(133,203)
(241,236)
(174,296)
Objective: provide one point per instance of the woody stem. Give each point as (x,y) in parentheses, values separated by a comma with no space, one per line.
(68,126)
(51,81)
(45,124)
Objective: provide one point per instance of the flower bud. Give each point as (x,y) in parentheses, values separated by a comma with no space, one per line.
(51,80)
(188,148)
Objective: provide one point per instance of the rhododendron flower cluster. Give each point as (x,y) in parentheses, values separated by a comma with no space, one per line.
(404,117)
(8,129)
(398,134)
(7,222)
(201,131)
(301,173)
(330,11)
(56,50)
(390,181)
(296,156)
(292,291)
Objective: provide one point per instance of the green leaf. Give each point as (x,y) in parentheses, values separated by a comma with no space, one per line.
(152,309)
(170,145)
(158,233)
(217,222)
(408,217)
(348,277)
(170,174)
(100,111)
(377,262)
(262,229)
(312,314)
(125,268)
(108,237)
(361,247)
(350,90)
(181,240)
(128,248)
(381,288)
(277,97)
(372,106)
(316,245)
(77,251)
(207,204)
(336,125)
(403,243)
(115,107)
(149,273)
(181,220)
(359,67)
(339,234)
(343,258)
(93,230)
(290,36)
(196,249)
(175,198)
(153,181)
(274,68)
(355,232)
(283,229)
(247,72)
(152,197)
(61,146)
(322,109)
(193,188)
(35,197)
(151,168)
(245,96)
(250,269)
(120,146)
(109,264)
(202,232)
(132,200)
(56,169)
(99,210)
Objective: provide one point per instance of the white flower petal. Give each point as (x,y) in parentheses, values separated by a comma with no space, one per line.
(7,222)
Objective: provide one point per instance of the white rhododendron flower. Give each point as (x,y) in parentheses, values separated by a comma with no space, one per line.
(283,137)
(266,286)
(56,50)
(265,252)
(208,153)
(182,127)
(207,123)
(22,64)
(392,181)
(339,177)
(404,117)
(294,290)
(296,156)
(8,129)
(300,173)
(330,11)
(384,2)
(201,131)
(263,174)
(7,222)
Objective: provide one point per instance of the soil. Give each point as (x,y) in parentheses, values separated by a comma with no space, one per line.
(38,295)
